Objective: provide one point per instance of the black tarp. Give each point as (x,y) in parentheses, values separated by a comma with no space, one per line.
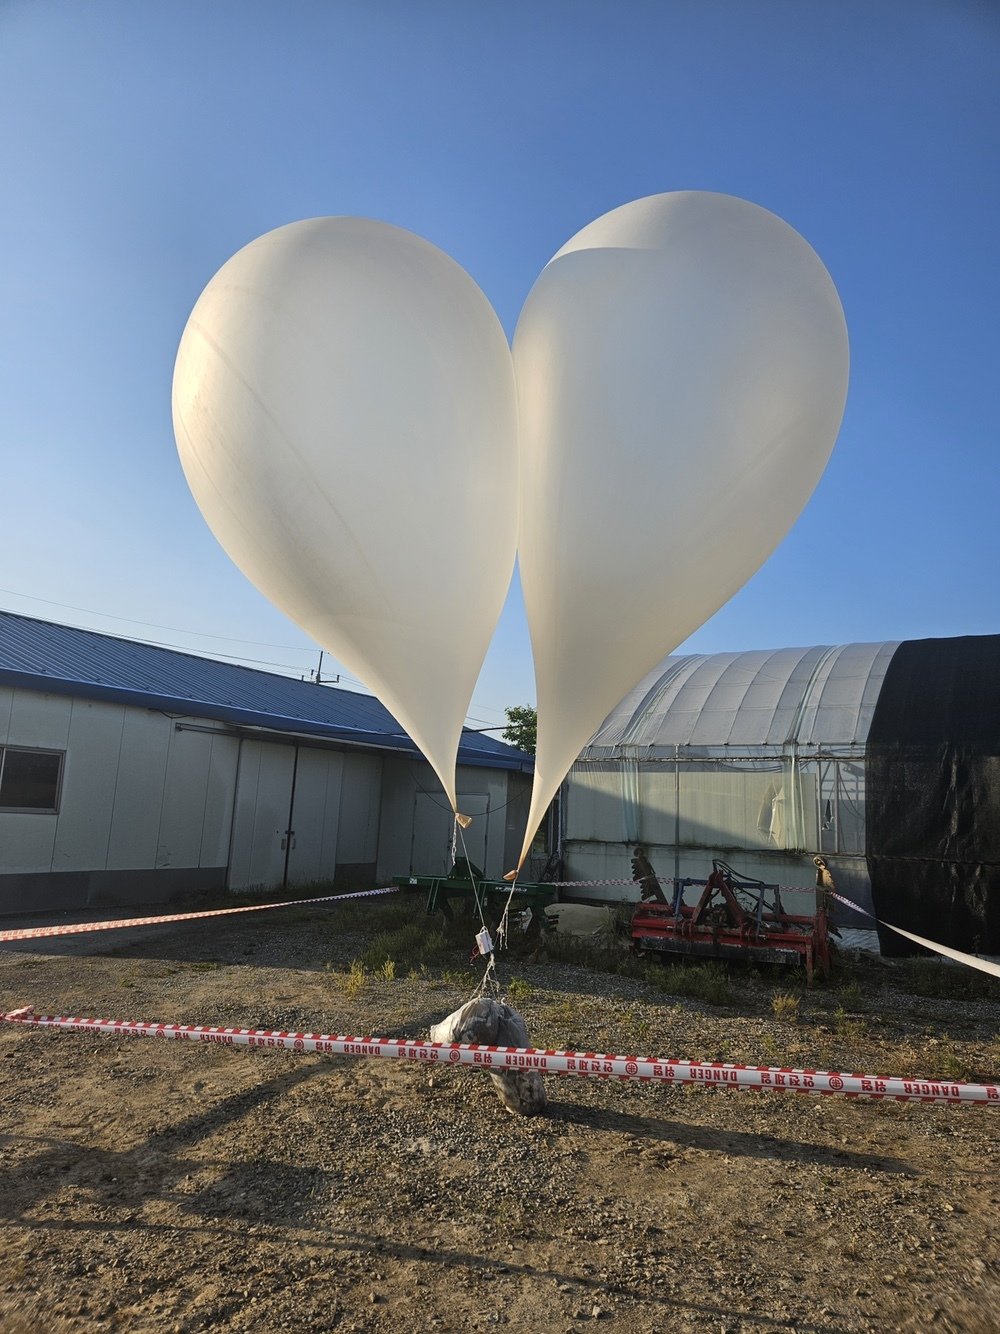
(933,794)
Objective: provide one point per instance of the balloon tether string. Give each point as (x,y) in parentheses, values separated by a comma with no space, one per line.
(489,979)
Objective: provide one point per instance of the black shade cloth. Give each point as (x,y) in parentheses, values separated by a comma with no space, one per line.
(933,795)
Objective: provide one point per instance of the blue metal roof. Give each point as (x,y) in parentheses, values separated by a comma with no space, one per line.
(61,659)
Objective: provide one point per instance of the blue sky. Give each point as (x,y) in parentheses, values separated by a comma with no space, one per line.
(142,144)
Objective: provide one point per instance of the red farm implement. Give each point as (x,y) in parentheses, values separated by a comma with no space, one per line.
(734,918)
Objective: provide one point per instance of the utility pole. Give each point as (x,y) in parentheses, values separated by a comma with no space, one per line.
(317,675)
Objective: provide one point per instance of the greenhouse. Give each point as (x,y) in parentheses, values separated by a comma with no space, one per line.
(882,758)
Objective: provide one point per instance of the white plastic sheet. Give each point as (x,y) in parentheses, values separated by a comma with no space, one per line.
(345,413)
(682,368)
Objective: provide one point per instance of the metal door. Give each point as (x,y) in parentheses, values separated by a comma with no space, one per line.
(433,830)
(315,815)
(260,820)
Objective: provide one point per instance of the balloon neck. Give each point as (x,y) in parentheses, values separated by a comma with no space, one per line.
(463,821)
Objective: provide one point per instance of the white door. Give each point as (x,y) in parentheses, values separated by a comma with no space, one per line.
(260,823)
(433,829)
(315,815)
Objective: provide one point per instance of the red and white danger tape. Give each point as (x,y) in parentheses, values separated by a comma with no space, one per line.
(714,1074)
(78,928)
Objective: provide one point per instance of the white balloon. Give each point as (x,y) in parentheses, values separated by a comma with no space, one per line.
(682,368)
(345,412)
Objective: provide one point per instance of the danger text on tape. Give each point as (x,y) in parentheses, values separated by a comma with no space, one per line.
(717,1074)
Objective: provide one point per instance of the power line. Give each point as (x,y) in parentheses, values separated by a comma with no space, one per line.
(184,648)
(176,629)
(204,634)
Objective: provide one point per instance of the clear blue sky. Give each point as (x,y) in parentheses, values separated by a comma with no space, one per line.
(142,144)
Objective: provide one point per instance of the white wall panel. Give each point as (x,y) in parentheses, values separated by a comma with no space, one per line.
(433,823)
(316,815)
(6,704)
(42,720)
(26,841)
(244,806)
(474,842)
(142,767)
(486,848)
(27,838)
(331,822)
(219,795)
(396,825)
(182,815)
(597,861)
(513,810)
(360,808)
(90,771)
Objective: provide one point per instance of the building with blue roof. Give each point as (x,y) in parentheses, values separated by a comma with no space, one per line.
(132,773)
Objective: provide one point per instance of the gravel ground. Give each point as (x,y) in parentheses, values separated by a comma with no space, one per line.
(160,1187)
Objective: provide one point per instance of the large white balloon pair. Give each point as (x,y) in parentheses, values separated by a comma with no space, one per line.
(364,446)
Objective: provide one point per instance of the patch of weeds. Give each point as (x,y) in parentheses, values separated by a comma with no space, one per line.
(824,1056)
(785,1007)
(851,996)
(949,1064)
(563,1014)
(604,952)
(354,982)
(388,971)
(455,977)
(770,1049)
(846,1027)
(946,981)
(407,946)
(518,992)
(205,966)
(707,982)
(632,1026)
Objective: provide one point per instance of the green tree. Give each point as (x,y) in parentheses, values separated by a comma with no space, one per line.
(522,726)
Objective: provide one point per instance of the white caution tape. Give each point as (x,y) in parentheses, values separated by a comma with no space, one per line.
(588,884)
(970,960)
(714,1074)
(671,880)
(117,924)
(76,929)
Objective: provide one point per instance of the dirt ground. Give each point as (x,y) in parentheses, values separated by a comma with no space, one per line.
(157,1186)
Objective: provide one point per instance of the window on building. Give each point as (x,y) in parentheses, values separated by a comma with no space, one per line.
(30,779)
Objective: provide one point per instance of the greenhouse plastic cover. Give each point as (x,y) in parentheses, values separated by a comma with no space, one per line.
(812,696)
